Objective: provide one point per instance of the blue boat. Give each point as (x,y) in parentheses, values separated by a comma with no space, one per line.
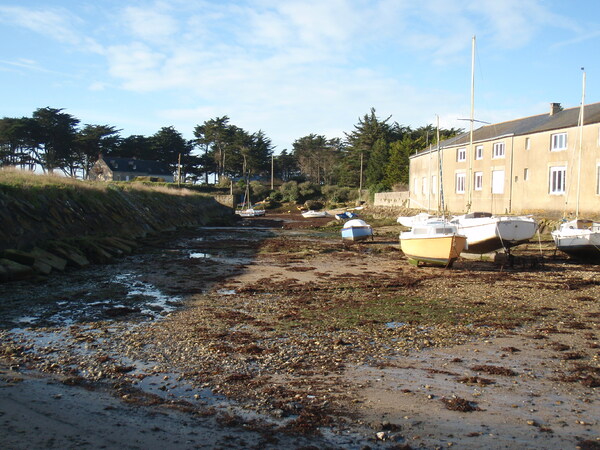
(356,230)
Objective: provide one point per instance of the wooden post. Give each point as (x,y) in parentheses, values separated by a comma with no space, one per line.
(272,171)
(179,171)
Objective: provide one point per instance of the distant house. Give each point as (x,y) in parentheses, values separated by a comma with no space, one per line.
(109,168)
(523,165)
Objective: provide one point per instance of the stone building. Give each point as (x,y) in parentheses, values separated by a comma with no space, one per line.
(528,165)
(109,168)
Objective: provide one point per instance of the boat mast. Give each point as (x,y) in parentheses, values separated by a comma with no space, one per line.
(441,206)
(580,143)
(471,120)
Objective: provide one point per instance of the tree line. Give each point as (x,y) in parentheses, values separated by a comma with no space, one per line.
(374,155)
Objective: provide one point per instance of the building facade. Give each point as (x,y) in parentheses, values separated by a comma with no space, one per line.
(109,168)
(541,164)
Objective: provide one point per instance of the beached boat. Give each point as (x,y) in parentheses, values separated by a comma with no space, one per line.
(579,238)
(246,209)
(486,232)
(310,214)
(435,242)
(356,230)
(346,215)
(250,212)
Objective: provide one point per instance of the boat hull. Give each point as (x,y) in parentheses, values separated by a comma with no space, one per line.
(486,234)
(583,244)
(357,233)
(251,212)
(437,250)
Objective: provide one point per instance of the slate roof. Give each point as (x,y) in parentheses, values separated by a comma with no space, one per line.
(528,125)
(137,165)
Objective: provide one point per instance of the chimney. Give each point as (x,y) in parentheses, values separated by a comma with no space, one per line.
(554,108)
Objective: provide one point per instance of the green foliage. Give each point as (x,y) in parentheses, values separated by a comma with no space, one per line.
(290,192)
(259,190)
(308,191)
(337,194)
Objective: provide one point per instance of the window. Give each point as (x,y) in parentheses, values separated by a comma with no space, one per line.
(415,189)
(478,181)
(527,144)
(525,174)
(498,182)
(479,152)
(424,185)
(461,154)
(498,150)
(558,142)
(434,184)
(557,180)
(460,183)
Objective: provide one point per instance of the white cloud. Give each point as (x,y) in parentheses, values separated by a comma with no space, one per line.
(56,23)
(150,25)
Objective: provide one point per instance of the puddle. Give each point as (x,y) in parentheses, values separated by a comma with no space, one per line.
(226,292)
(395,325)
(197,255)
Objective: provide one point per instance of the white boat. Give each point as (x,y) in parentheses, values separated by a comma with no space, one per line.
(409,221)
(436,241)
(246,209)
(579,238)
(250,212)
(356,230)
(486,232)
(310,214)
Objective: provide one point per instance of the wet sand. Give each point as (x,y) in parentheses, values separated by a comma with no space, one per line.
(303,340)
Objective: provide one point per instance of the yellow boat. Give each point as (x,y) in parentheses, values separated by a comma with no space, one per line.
(435,242)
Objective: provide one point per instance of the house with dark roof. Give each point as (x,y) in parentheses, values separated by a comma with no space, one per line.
(527,165)
(109,168)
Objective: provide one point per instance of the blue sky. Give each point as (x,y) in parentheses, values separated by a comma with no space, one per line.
(291,68)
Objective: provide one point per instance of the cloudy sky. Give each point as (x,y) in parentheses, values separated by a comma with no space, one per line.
(294,67)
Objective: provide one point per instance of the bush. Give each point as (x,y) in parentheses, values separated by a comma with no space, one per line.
(276,196)
(337,194)
(313,205)
(308,191)
(259,191)
(290,192)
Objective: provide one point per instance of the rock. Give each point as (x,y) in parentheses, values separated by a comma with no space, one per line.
(19,256)
(73,256)
(11,270)
(41,267)
(52,260)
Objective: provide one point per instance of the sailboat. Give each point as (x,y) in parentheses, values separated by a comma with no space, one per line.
(579,238)
(246,209)
(433,240)
(486,232)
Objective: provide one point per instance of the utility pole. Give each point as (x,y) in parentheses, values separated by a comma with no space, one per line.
(272,171)
(361,177)
(179,171)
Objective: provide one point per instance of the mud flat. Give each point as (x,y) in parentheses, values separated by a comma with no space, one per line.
(287,337)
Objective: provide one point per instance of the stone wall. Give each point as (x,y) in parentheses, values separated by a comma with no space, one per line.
(79,224)
(392,199)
